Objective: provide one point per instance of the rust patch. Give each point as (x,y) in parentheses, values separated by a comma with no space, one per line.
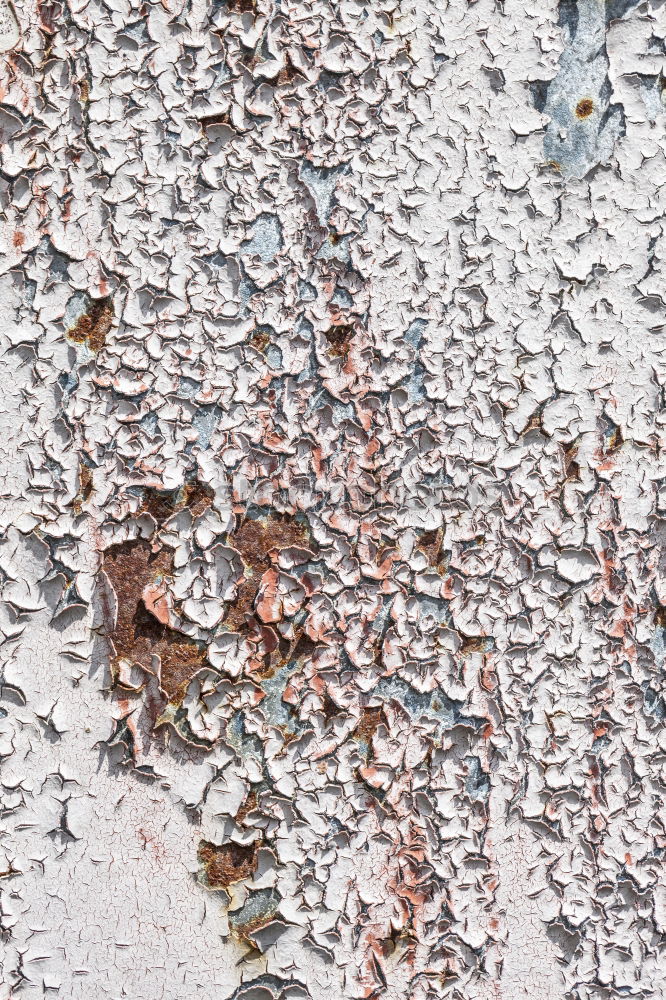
(248,806)
(584,108)
(430,544)
(289,72)
(227,864)
(93,326)
(329,708)
(255,541)
(260,910)
(476,644)
(161,504)
(137,634)
(260,341)
(338,337)
(571,466)
(85,487)
(369,723)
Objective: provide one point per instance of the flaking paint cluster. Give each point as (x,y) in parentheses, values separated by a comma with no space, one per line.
(333,490)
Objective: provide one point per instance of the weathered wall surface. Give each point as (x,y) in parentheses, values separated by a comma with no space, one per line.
(332,452)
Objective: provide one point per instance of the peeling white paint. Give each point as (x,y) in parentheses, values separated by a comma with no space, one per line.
(332,456)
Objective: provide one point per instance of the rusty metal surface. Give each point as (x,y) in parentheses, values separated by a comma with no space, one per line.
(332,570)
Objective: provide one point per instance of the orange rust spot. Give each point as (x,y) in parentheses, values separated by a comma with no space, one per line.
(227,864)
(584,108)
(131,567)
(535,423)
(246,931)
(18,239)
(93,326)
(85,480)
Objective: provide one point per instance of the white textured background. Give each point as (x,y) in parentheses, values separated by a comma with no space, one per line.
(332,454)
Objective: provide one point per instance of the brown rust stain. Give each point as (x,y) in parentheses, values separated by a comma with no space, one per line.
(85,487)
(585,107)
(132,566)
(571,465)
(369,723)
(137,634)
(289,72)
(329,708)
(248,806)
(476,644)
(255,541)
(338,337)
(223,865)
(93,326)
(260,341)
(303,648)
(246,932)
(161,504)
(430,544)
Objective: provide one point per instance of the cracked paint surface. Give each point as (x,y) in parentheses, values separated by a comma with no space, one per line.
(332,556)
